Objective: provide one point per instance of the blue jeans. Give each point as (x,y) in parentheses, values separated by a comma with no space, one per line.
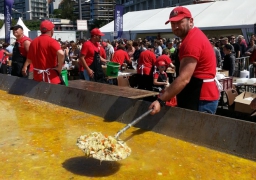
(208,106)
(86,75)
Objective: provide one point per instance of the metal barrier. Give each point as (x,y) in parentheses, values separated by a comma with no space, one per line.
(241,64)
(251,71)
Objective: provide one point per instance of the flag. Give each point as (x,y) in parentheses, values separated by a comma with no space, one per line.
(118,23)
(7,18)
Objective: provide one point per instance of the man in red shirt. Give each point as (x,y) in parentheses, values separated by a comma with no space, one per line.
(146,64)
(195,86)
(20,51)
(120,55)
(91,58)
(46,55)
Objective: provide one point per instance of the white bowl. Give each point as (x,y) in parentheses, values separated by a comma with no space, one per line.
(220,76)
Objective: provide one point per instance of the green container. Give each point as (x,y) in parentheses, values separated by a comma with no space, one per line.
(64,74)
(112,69)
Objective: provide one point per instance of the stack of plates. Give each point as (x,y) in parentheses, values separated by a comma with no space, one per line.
(241,80)
(251,81)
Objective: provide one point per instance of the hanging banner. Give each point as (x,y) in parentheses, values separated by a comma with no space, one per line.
(118,23)
(8,18)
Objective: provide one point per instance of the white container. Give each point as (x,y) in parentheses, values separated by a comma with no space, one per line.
(244,74)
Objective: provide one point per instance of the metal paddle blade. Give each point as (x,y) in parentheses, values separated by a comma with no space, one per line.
(103,148)
(107,148)
(132,123)
(253,113)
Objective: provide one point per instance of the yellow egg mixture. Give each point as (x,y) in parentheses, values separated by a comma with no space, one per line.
(38,141)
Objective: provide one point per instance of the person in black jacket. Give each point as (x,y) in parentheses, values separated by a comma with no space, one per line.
(229,59)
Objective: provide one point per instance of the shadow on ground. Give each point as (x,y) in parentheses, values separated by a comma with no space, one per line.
(90,167)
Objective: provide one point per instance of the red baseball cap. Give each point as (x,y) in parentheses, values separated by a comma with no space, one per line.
(178,14)
(46,26)
(161,63)
(97,32)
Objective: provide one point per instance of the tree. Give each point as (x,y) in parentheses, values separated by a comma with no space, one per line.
(66,8)
(57,13)
(97,23)
(12,24)
(32,24)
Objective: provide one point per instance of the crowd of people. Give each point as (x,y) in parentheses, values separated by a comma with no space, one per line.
(193,55)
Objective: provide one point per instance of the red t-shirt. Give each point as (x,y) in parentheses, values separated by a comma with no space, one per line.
(147,59)
(2,55)
(103,52)
(22,49)
(196,45)
(119,56)
(88,50)
(43,53)
(253,56)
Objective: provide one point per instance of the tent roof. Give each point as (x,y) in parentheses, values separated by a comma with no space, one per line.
(214,15)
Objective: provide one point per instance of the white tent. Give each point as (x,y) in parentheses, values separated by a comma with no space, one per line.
(20,22)
(2,33)
(219,15)
(25,29)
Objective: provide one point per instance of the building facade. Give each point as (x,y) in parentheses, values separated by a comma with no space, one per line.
(138,5)
(28,9)
(96,9)
(53,4)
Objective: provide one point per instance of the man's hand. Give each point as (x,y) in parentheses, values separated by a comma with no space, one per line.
(58,68)
(24,71)
(90,72)
(155,106)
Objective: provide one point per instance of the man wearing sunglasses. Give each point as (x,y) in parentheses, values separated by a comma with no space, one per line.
(195,86)
(20,51)
(91,58)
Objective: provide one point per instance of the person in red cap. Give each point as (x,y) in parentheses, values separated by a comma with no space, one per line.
(195,86)
(91,58)
(166,58)
(121,56)
(160,77)
(146,64)
(46,56)
(161,80)
(20,51)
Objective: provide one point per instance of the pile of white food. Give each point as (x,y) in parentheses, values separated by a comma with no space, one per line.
(98,146)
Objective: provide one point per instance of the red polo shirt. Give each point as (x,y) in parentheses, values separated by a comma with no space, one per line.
(197,46)
(43,53)
(120,56)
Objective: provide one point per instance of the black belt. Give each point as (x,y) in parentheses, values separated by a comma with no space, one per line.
(16,62)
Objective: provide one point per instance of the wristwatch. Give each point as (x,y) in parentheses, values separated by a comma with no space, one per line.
(161,102)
